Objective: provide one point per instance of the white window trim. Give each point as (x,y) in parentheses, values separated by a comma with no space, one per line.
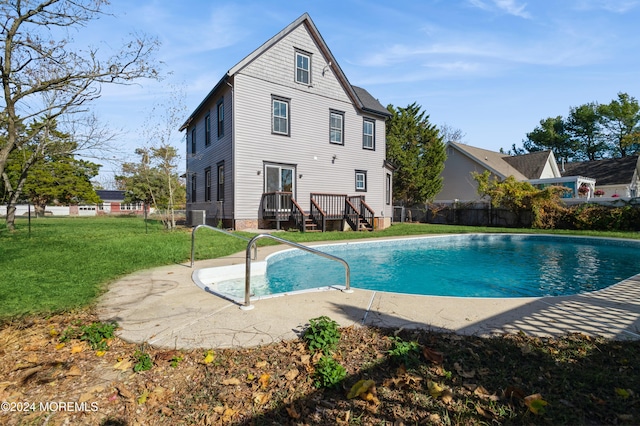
(307,70)
(362,188)
(285,118)
(372,135)
(332,129)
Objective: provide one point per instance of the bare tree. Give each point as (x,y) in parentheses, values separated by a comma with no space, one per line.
(161,132)
(451,134)
(45,78)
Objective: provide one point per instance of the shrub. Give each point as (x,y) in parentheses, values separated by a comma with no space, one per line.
(328,372)
(96,334)
(322,335)
(403,352)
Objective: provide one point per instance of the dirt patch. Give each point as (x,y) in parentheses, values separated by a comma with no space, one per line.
(397,378)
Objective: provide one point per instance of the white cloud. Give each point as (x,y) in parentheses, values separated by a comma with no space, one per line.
(510,7)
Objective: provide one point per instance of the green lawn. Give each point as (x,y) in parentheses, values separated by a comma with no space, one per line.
(65,263)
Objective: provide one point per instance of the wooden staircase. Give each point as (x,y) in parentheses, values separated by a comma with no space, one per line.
(310,225)
(282,207)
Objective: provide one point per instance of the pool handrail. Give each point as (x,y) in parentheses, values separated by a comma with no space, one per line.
(247,280)
(193,240)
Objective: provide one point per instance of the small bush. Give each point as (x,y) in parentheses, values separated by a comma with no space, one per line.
(403,352)
(96,334)
(322,335)
(142,360)
(328,372)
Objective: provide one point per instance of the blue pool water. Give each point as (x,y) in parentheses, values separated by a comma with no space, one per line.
(461,265)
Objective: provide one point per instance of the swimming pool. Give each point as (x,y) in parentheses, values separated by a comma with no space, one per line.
(470,265)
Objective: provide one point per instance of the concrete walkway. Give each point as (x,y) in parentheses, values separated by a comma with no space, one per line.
(163,307)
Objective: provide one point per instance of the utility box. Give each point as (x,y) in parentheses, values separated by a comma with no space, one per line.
(196,217)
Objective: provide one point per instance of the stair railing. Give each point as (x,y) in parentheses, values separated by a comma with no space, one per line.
(193,240)
(318,215)
(298,215)
(247,281)
(351,215)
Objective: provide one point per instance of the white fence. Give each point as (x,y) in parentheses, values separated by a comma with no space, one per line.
(23,210)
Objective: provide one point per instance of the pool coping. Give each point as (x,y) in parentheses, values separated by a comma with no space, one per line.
(163,307)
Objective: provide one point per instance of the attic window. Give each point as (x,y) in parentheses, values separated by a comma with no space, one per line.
(303,68)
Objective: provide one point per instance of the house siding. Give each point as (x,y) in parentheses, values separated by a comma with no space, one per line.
(457,181)
(249,144)
(219,149)
(307,147)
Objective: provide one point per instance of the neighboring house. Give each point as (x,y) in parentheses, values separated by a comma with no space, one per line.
(539,168)
(113,203)
(616,177)
(283,139)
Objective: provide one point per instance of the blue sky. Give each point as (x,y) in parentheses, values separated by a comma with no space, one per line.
(491,68)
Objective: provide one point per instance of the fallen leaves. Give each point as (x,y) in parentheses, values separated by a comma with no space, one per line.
(209,356)
(366,390)
(482,380)
(535,403)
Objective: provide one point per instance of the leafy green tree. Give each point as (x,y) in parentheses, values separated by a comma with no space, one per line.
(46,176)
(154,181)
(551,135)
(520,197)
(585,130)
(415,147)
(46,76)
(621,119)
(62,179)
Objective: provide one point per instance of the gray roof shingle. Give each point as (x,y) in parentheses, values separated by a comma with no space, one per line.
(610,171)
(369,103)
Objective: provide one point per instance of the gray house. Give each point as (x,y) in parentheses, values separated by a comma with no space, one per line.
(284,140)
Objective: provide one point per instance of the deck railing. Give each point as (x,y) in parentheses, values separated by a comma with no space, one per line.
(331,204)
(276,206)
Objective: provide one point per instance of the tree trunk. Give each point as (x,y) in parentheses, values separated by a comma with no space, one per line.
(11,216)
(39,209)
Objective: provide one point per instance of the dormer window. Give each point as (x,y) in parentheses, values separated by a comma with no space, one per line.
(303,68)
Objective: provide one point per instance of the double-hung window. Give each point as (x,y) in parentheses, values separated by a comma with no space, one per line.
(207,130)
(207,184)
(220,181)
(336,127)
(280,112)
(387,193)
(368,134)
(193,188)
(361,180)
(220,109)
(303,68)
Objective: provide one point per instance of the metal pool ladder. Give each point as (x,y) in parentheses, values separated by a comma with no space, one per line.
(252,243)
(193,240)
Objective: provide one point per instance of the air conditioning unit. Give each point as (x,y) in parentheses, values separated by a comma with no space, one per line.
(196,217)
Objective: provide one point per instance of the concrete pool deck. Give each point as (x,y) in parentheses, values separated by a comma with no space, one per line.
(163,307)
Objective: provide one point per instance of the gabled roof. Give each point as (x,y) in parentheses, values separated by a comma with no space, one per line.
(491,160)
(360,97)
(531,165)
(610,171)
(521,167)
